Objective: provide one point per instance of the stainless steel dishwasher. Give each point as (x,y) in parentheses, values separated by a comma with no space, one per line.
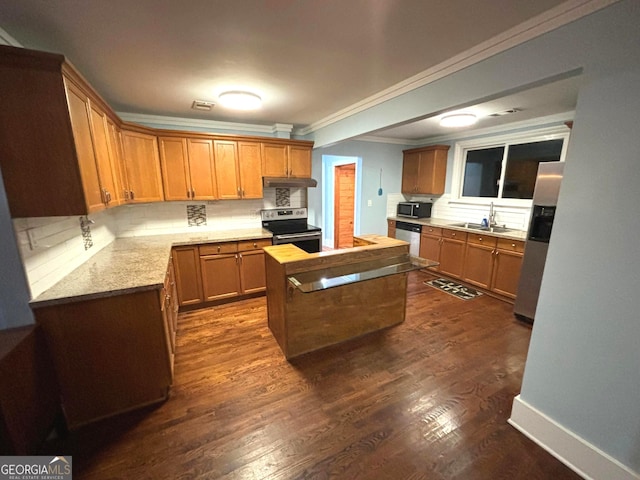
(409,232)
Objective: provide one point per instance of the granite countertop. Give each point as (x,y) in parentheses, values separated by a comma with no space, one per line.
(131,264)
(438,222)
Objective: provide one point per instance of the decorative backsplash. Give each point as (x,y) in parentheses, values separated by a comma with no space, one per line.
(196,215)
(283,197)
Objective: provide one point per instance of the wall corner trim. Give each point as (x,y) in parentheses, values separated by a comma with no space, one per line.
(576,453)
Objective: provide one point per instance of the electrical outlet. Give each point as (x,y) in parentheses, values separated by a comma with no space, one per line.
(369,203)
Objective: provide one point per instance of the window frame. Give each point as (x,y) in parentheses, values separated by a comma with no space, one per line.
(460,154)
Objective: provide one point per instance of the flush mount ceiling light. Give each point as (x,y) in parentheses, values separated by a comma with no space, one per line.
(239,100)
(458,120)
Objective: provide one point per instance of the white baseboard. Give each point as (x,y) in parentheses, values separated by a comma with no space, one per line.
(583,458)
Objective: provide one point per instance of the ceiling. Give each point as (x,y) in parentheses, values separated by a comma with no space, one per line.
(307,59)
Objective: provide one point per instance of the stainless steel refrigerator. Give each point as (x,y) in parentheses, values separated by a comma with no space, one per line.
(545,199)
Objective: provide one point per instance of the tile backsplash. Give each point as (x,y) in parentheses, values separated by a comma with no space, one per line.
(52,247)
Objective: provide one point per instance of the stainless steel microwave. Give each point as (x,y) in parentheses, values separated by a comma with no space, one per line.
(414,209)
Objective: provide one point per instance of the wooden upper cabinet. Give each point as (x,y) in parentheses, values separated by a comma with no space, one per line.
(286,160)
(142,167)
(119,174)
(299,161)
(227,174)
(187,168)
(104,160)
(175,169)
(424,170)
(81,126)
(274,160)
(202,169)
(250,169)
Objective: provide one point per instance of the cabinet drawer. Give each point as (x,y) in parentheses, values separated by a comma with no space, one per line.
(431,230)
(215,248)
(480,239)
(246,245)
(511,245)
(455,234)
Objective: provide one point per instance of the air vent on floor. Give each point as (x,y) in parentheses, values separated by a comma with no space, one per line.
(505,112)
(202,105)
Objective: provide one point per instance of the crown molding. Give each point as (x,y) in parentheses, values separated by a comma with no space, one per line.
(213,125)
(554,18)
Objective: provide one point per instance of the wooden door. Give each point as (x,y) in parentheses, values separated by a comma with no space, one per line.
(100,137)
(80,124)
(186,263)
(250,169)
(220,276)
(344,202)
(275,161)
(252,271)
(202,172)
(299,161)
(175,169)
(143,167)
(410,163)
(227,175)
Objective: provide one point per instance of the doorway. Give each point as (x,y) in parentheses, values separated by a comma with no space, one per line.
(344,190)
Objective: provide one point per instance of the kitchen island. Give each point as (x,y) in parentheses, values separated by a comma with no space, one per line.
(319,299)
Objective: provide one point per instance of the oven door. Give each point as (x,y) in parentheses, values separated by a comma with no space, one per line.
(309,241)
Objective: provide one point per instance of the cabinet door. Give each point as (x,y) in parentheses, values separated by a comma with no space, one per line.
(226,160)
(452,257)
(250,168)
(143,167)
(478,264)
(410,170)
(430,247)
(432,172)
(220,276)
(252,271)
(274,160)
(100,136)
(202,169)
(121,185)
(175,169)
(299,161)
(81,126)
(506,272)
(186,262)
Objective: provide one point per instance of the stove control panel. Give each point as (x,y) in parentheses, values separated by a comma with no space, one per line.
(283,213)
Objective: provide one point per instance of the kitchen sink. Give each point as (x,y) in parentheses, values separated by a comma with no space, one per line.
(479,226)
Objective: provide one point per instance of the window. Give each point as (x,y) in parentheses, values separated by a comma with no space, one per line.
(505,167)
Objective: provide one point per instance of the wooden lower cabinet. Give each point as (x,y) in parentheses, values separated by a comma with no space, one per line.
(506,267)
(430,242)
(478,263)
(218,271)
(452,250)
(110,354)
(186,261)
(220,276)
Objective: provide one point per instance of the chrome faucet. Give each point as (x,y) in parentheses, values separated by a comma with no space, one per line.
(492,216)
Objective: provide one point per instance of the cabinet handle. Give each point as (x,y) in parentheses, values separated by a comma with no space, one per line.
(193,194)
(218,248)
(479,239)
(240,256)
(453,234)
(513,245)
(243,192)
(239,194)
(255,245)
(133,195)
(497,253)
(188,193)
(237,261)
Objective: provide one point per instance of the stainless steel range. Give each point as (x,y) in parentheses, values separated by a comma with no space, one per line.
(289,225)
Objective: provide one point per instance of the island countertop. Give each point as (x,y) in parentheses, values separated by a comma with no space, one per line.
(131,264)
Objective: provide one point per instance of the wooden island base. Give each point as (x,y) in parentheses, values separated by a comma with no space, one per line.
(321,299)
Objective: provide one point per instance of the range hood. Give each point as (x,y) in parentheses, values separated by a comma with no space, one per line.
(288,182)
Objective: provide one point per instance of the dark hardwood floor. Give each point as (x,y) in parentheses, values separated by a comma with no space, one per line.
(428,399)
